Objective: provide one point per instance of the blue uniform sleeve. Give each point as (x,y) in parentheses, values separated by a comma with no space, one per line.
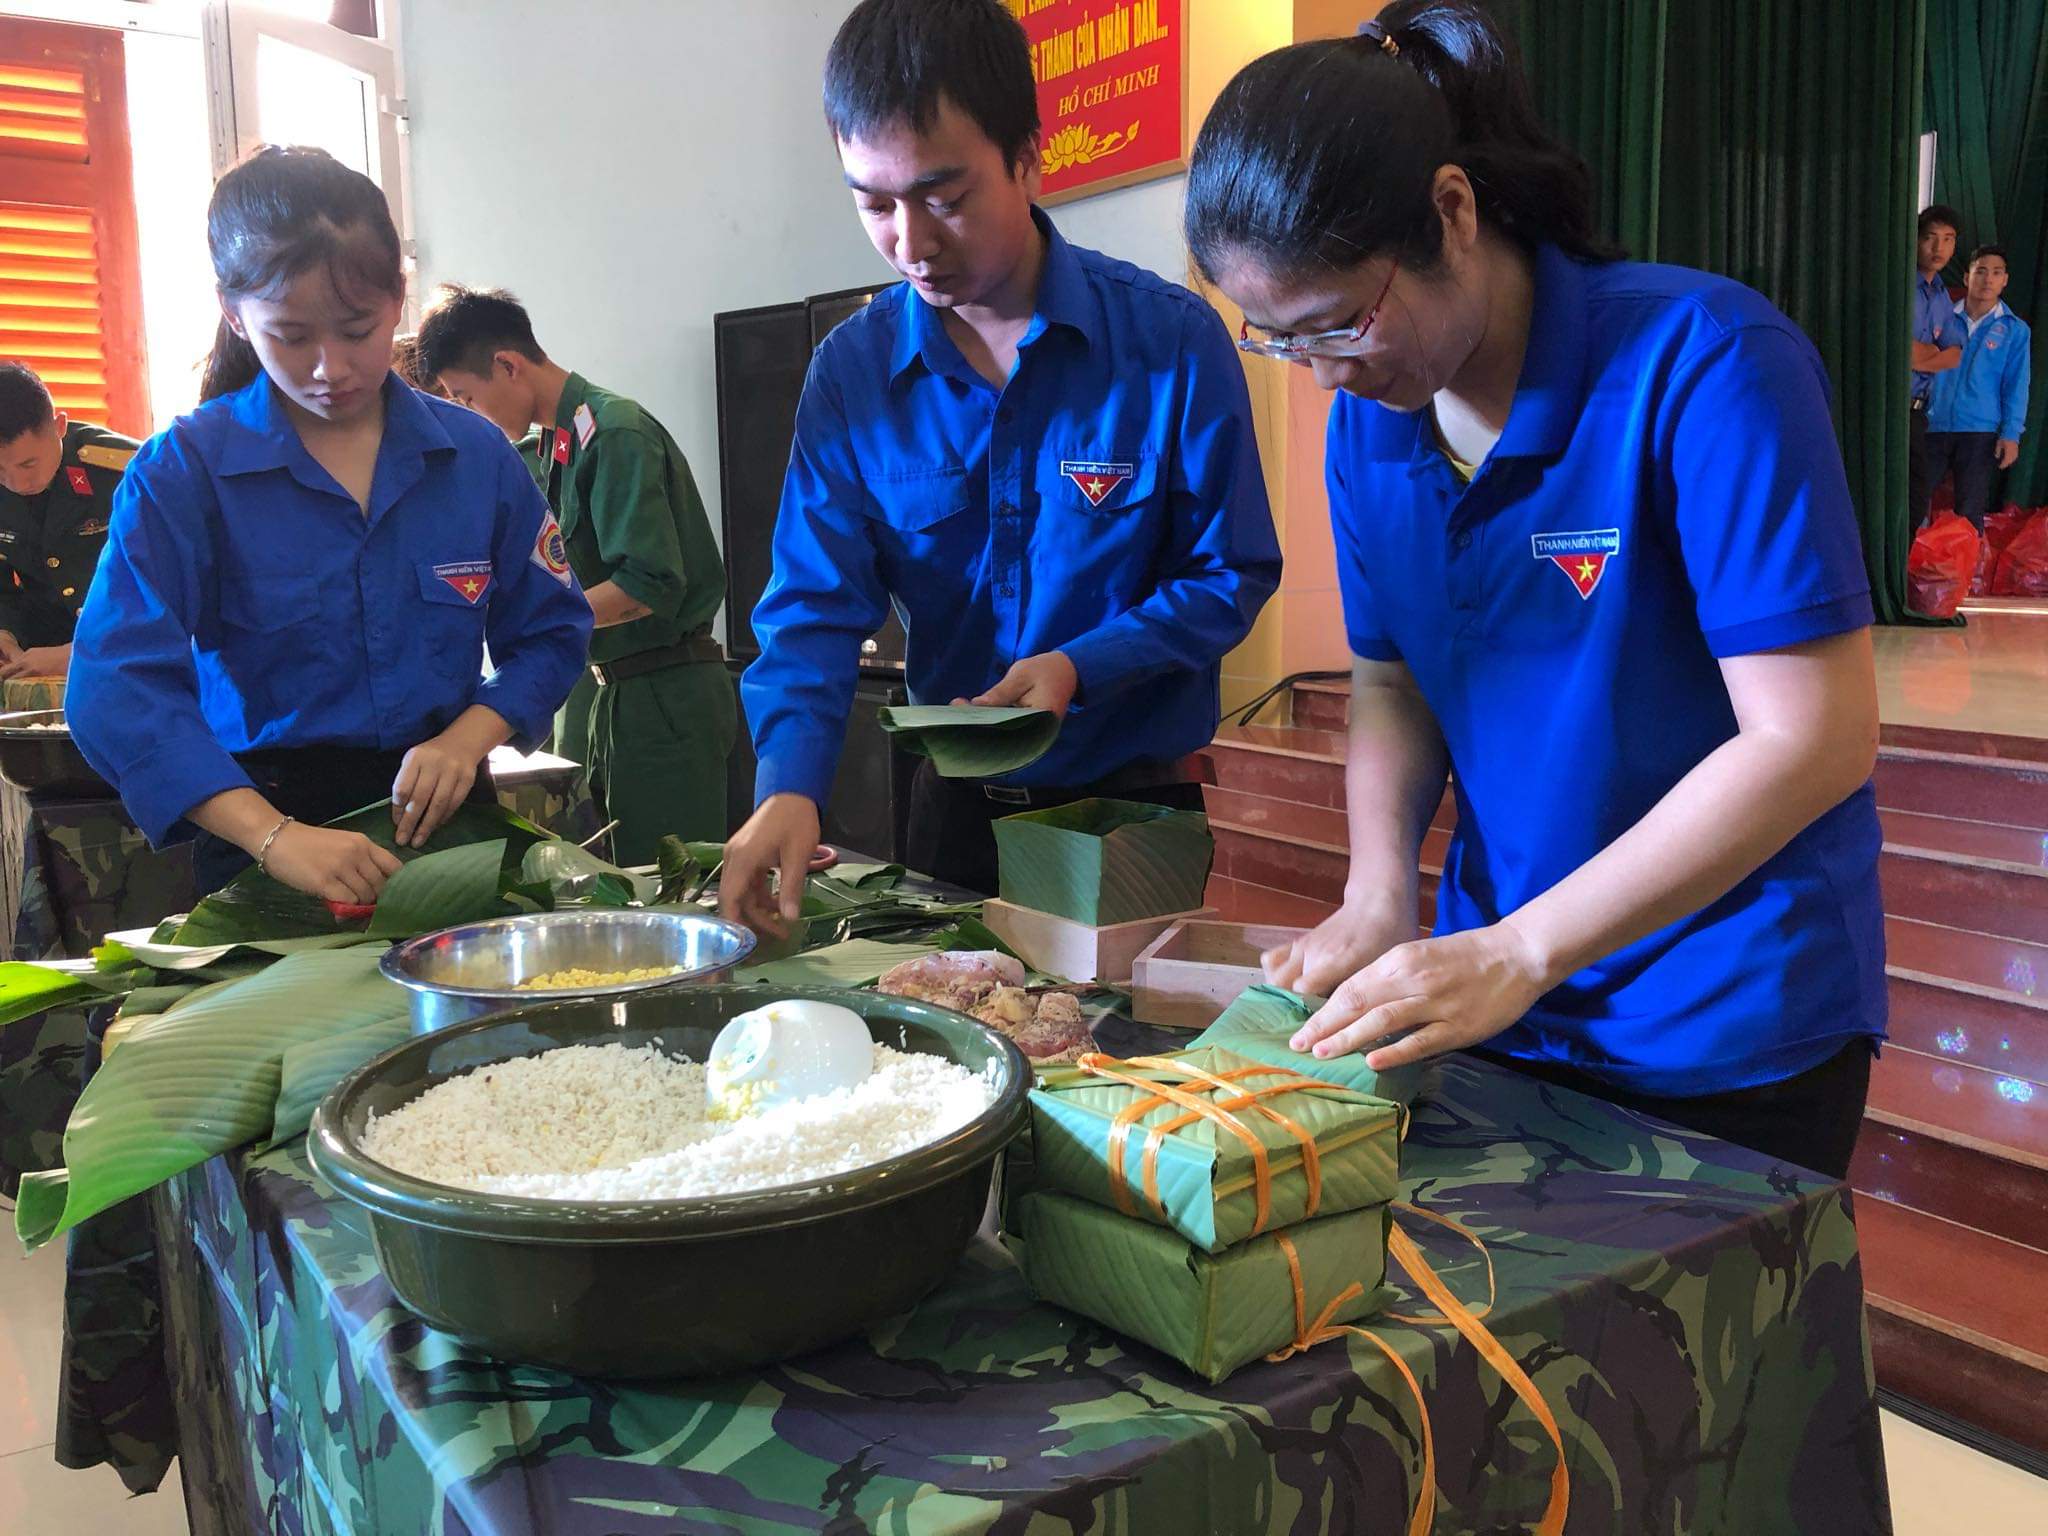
(826,597)
(538,626)
(133,695)
(1222,561)
(1362,629)
(2013,397)
(1754,481)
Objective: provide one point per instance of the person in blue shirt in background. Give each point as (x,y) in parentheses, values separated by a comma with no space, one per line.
(289,619)
(1599,567)
(1042,456)
(1937,346)
(1978,409)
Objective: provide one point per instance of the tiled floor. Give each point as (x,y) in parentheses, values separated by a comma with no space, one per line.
(1939,1488)
(38,1497)
(1990,675)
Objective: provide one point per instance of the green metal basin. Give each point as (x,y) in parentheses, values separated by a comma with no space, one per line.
(665,1288)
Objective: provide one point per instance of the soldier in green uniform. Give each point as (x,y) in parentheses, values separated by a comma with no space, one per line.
(654,718)
(57,479)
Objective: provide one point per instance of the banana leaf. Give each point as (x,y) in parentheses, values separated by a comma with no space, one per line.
(199,1080)
(854,963)
(1262,1020)
(254,906)
(310,1069)
(1104,861)
(459,885)
(120,951)
(972,741)
(680,867)
(557,874)
(28,988)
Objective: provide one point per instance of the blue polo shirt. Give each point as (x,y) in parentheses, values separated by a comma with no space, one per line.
(1667,492)
(1105,501)
(1934,322)
(244,601)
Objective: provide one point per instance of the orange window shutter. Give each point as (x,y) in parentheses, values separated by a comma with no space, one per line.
(70,277)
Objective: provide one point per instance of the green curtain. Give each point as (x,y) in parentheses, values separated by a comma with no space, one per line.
(1987,102)
(1773,141)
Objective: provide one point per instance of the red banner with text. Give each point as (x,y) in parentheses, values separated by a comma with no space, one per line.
(1111,89)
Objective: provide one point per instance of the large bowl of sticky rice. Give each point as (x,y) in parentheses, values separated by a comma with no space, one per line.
(554,1185)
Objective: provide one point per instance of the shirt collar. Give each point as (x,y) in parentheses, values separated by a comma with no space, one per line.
(1993,313)
(575,392)
(1548,397)
(1932,284)
(1551,393)
(261,437)
(1065,298)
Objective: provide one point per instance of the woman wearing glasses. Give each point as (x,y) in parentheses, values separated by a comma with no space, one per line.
(1600,569)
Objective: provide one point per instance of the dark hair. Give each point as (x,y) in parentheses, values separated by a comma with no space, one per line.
(1990,250)
(465,327)
(1326,153)
(405,362)
(25,404)
(278,215)
(1939,213)
(893,59)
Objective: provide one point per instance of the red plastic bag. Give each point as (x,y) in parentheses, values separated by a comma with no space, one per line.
(2022,569)
(1939,568)
(1999,529)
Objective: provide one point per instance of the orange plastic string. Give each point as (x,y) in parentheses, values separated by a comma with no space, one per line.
(1223,1114)
(1492,1291)
(1307,1335)
(1401,1248)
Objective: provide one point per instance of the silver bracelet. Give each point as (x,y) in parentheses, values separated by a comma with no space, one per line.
(263,853)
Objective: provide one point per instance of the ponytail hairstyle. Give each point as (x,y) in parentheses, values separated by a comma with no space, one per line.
(279,214)
(1321,155)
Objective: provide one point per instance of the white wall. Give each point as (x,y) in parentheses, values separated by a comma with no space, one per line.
(631,168)
(168,137)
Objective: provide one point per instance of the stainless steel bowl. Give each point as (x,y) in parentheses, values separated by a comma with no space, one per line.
(466,972)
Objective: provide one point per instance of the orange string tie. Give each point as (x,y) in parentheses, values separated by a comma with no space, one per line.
(1156,1095)
(1307,1335)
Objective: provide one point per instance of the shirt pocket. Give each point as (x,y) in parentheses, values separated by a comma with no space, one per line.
(268,603)
(1104,486)
(456,595)
(918,504)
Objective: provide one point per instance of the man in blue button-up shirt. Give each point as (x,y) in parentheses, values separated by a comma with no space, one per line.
(1937,344)
(1044,458)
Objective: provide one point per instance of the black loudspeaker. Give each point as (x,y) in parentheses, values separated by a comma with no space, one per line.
(762,355)
(869,807)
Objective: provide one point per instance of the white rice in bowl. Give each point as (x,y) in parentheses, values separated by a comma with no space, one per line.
(615,1122)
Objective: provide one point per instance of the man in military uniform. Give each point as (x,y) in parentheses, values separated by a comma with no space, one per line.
(654,719)
(57,479)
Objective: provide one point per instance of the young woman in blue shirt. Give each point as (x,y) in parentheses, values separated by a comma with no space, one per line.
(290,617)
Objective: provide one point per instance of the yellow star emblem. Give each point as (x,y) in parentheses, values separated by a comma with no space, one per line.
(1095,490)
(1586,570)
(471,587)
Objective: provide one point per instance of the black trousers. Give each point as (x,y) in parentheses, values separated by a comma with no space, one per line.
(952,821)
(1973,458)
(1810,1120)
(1920,476)
(312,785)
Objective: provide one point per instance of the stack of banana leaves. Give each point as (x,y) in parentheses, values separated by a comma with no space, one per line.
(236,1019)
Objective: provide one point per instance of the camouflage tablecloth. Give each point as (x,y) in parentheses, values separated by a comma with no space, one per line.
(1692,1313)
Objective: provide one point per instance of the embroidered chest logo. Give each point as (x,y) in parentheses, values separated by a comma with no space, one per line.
(1582,556)
(81,482)
(550,553)
(471,578)
(1094,480)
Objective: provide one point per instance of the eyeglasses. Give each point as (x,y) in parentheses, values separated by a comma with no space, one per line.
(1346,341)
